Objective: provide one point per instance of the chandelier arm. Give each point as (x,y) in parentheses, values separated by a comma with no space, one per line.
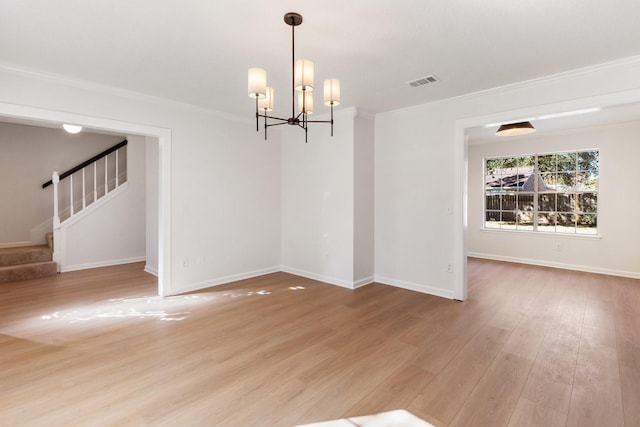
(277,124)
(274,118)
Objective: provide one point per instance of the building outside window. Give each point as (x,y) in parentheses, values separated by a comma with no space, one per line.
(553,192)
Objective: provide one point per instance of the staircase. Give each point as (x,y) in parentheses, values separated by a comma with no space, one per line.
(27,262)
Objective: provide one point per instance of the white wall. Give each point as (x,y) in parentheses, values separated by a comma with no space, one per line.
(29,155)
(327,201)
(420,168)
(614,252)
(225,181)
(363,211)
(317,201)
(113,233)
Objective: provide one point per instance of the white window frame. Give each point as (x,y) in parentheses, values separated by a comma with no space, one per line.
(535,227)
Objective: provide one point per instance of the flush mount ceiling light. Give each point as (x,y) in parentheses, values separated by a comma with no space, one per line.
(514,129)
(72,128)
(301,81)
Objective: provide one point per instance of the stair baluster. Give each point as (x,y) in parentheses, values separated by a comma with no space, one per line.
(58,237)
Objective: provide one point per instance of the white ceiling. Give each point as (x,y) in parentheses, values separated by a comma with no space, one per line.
(199,51)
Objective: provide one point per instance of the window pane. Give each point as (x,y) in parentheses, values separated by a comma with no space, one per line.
(587,224)
(509,202)
(550,181)
(589,160)
(566,162)
(566,181)
(526,162)
(586,181)
(525,201)
(547,163)
(492,181)
(588,202)
(492,201)
(493,216)
(547,222)
(547,202)
(565,202)
(564,220)
(525,221)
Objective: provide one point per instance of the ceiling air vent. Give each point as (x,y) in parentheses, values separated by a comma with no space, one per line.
(423,81)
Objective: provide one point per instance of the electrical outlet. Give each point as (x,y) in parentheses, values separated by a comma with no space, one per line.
(557,247)
(449,268)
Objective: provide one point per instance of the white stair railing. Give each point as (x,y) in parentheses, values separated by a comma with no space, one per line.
(75,207)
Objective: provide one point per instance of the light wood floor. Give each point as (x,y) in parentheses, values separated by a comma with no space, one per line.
(531,346)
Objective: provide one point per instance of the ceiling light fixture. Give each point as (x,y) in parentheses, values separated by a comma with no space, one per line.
(515,129)
(301,81)
(72,128)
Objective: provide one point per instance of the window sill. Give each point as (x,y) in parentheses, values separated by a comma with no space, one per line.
(544,234)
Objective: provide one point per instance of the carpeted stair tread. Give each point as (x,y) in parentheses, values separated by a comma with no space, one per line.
(14,273)
(24,255)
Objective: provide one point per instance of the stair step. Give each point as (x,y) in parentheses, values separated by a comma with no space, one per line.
(35,270)
(24,255)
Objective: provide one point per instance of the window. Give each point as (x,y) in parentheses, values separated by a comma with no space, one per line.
(554,193)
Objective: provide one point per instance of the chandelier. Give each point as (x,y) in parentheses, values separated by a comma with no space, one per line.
(301,82)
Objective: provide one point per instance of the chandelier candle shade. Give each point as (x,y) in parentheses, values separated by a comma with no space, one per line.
(301,82)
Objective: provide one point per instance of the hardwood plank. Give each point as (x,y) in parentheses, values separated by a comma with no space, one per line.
(551,379)
(493,400)
(397,393)
(445,395)
(596,398)
(530,414)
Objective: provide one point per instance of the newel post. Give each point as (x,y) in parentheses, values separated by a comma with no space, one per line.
(55,179)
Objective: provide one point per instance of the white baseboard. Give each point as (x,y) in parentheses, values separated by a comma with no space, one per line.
(101,264)
(542,263)
(319,277)
(151,270)
(16,244)
(425,289)
(223,280)
(363,282)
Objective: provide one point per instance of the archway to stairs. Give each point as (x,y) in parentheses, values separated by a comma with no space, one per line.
(157,183)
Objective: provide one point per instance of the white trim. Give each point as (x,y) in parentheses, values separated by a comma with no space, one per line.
(319,277)
(363,282)
(18,244)
(424,289)
(542,263)
(102,264)
(548,234)
(460,183)
(224,280)
(150,270)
